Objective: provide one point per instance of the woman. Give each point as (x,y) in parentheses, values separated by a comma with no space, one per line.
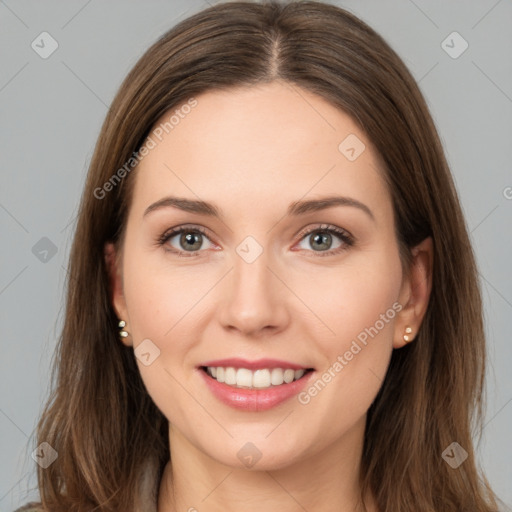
(265,372)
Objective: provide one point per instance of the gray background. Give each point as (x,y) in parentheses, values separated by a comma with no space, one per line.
(51,111)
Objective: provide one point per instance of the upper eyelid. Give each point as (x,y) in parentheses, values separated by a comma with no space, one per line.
(324,227)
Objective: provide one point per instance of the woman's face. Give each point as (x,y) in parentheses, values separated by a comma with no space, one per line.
(264,281)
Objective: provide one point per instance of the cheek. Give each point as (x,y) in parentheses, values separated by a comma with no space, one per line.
(356,357)
(159,295)
(365,308)
(360,309)
(356,297)
(158,298)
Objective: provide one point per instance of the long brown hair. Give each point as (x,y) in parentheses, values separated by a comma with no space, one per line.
(99,416)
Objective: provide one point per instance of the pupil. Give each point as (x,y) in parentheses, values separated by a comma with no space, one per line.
(189,238)
(323,239)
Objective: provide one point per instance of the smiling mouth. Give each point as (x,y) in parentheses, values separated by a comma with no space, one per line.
(264,378)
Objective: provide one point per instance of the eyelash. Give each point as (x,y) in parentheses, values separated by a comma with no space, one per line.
(347,239)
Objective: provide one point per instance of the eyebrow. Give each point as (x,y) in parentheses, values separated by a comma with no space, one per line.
(295,209)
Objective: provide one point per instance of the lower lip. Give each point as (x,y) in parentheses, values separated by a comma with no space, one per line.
(254,400)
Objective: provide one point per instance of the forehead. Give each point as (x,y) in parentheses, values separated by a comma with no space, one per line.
(268,144)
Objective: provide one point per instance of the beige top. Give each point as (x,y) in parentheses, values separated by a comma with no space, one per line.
(149,486)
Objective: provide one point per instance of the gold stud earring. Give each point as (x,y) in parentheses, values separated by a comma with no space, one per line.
(122,333)
(407,338)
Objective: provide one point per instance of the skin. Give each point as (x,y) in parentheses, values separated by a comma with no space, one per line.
(252,152)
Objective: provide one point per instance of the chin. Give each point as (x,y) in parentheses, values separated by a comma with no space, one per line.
(258,454)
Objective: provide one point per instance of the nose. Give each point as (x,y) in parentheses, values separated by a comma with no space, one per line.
(256,300)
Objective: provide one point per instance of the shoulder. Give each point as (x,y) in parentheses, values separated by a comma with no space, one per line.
(30,507)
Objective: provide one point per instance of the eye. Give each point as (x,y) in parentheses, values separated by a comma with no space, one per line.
(321,238)
(188,239)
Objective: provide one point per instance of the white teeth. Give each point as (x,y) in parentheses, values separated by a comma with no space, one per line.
(276,377)
(260,379)
(230,376)
(289,376)
(243,377)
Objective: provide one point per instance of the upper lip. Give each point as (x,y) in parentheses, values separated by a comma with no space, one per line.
(237,362)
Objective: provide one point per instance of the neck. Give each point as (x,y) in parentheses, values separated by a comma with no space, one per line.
(326,481)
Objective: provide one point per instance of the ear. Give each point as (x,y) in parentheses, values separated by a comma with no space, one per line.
(415,292)
(116,294)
